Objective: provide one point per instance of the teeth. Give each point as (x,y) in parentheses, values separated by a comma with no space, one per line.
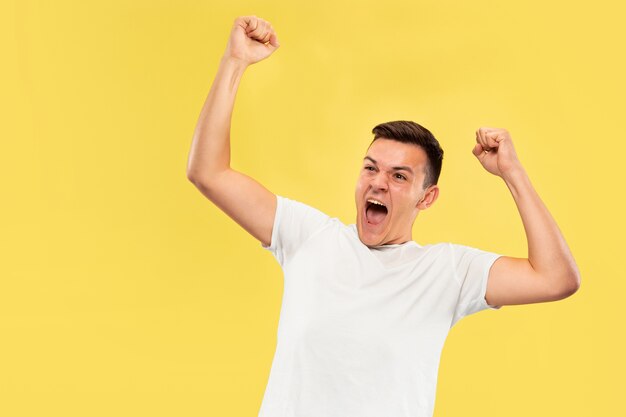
(375,202)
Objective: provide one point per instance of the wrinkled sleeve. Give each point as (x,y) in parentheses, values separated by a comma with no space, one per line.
(472,273)
(294,223)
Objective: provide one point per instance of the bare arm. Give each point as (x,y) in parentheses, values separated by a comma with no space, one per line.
(550,272)
(242,198)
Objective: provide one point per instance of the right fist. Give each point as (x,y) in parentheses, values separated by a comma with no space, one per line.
(251,40)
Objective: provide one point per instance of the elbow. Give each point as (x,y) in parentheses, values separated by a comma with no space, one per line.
(202,177)
(201,183)
(194,180)
(191,176)
(199,179)
(571,285)
(205,182)
(194,173)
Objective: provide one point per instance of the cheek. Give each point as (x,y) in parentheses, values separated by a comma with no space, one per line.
(360,185)
(357,193)
(404,201)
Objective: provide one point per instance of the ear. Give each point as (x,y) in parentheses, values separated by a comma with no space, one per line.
(429,197)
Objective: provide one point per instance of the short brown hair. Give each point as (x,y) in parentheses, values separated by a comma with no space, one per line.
(410,132)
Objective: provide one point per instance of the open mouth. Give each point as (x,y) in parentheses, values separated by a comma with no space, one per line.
(375,211)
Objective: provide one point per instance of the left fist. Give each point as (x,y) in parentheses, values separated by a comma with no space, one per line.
(494,150)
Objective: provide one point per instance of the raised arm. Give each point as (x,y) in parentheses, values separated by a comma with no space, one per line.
(550,272)
(242,198)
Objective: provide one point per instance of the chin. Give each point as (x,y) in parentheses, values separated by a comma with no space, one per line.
(369,239)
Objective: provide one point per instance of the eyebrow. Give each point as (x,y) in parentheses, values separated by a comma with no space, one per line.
(395,168)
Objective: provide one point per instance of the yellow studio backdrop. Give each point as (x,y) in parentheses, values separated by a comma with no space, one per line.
(125,292)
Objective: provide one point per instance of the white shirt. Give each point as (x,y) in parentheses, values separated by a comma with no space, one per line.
(361,330)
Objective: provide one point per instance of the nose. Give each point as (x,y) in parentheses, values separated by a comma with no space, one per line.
(379,182)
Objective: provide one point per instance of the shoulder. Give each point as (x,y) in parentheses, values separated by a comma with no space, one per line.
(297,221)
(451,253)
(300,207)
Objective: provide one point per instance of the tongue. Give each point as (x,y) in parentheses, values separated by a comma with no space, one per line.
(375,214)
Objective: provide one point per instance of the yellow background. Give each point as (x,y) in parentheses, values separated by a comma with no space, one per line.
(124,292)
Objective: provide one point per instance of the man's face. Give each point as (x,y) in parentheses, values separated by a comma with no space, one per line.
(392,174)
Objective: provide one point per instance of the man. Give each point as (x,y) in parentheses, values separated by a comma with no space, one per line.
(365,308)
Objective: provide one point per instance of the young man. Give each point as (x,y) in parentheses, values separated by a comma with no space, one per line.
(365,308)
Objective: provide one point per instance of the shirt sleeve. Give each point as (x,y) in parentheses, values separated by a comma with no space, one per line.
(472,273)
(294,223)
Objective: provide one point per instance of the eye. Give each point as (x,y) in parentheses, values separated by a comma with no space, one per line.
(368,168)
(400,176)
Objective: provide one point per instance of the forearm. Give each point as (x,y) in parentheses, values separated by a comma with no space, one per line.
(210,149)
(548,252)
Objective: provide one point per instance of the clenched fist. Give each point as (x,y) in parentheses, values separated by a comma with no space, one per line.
(494,149)
(251,40)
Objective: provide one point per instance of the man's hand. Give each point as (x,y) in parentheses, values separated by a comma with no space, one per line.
(494,149)
(251,40)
